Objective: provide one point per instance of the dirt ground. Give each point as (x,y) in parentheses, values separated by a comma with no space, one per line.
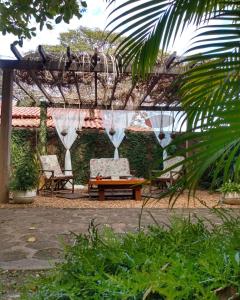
(201,199)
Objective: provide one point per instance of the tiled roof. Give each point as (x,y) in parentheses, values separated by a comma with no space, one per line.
(29,117)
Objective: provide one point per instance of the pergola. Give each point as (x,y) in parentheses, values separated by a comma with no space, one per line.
(83,80)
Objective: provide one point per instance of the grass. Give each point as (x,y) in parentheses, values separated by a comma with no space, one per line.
(190,259)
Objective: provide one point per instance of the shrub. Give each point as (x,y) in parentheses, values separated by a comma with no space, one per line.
(230,187)
(185,261)
(24,175)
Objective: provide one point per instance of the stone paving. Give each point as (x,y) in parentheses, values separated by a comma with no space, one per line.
(32,238)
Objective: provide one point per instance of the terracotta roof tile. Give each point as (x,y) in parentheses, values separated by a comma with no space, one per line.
(29,117)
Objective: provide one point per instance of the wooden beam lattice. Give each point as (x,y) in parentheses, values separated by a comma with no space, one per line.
(45,58)
(129,94)
(150,88)
(31,72)
(116,81)
(23,89)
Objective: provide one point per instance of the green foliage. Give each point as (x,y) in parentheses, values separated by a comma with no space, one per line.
(42,145)
(19,145)
(185,261)
(16,16)
(229,187)
(209,90)
(24,170)
(142,150)
(84,39)
(25,174)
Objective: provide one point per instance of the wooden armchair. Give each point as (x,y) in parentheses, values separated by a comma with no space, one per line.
(52,178)
(169,177)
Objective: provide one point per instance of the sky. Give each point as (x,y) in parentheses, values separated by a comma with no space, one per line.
(96,16)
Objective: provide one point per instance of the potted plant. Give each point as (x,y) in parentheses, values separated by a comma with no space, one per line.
(24,180)
(230,192)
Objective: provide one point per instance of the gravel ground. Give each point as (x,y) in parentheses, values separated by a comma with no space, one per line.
(202,199)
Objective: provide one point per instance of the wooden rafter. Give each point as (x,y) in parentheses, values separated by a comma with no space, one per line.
(170,60)
(116,81)
(40,86)
(150,88)
(23,89)
(77,88)
(45,58)
(31,72)
(129,94)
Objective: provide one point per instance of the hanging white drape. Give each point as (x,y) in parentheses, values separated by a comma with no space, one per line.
(66,122)
(160,122)
(116,139)
(117,120)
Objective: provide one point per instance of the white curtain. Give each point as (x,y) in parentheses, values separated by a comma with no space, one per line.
(66,122)
(117,120)
(160,122)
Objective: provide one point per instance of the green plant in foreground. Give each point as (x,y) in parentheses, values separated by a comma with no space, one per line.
(188,260)
(230,187)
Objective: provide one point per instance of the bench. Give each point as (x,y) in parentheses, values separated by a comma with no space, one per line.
(112,169)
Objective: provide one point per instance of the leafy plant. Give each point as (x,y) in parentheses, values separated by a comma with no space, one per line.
(209,90)
(229,187)
(16,16)
(24,174)
(188,260)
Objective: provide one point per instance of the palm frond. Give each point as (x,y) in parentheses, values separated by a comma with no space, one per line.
(164,21)
(210,90)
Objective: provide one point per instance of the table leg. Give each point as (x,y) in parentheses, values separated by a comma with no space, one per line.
(101,193)
(137,193)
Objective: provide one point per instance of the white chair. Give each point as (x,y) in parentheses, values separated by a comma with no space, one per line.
(51,176)
(169,177)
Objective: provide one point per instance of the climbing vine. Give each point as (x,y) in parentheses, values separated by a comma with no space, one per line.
(142,150)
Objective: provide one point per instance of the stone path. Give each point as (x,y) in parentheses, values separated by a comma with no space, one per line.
(32,238)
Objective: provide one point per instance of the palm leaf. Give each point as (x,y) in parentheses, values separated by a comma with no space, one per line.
(209,91)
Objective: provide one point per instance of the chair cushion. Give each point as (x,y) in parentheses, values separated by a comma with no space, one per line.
(170,162)
(109,167)
(50,162)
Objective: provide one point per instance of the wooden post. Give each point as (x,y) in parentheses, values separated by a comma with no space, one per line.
(5,133)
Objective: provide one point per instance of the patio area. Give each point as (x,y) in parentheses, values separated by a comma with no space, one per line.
(203,199)
(33,238)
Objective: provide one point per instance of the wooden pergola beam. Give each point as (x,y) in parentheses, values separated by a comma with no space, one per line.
(23,89)
(40,86)
(31,71)
(5,133)
(149,89)
(116,81)
(108,107)
(129,95)
(45,58)
(77,88)
(56,65)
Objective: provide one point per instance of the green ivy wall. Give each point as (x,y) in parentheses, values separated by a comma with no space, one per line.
(142,150)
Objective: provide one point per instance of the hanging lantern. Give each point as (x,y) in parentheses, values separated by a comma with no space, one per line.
(64,132)
(78,131)
(161,135)
(112,131)
(173,135)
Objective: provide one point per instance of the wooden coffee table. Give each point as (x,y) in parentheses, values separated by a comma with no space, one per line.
(103,184)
